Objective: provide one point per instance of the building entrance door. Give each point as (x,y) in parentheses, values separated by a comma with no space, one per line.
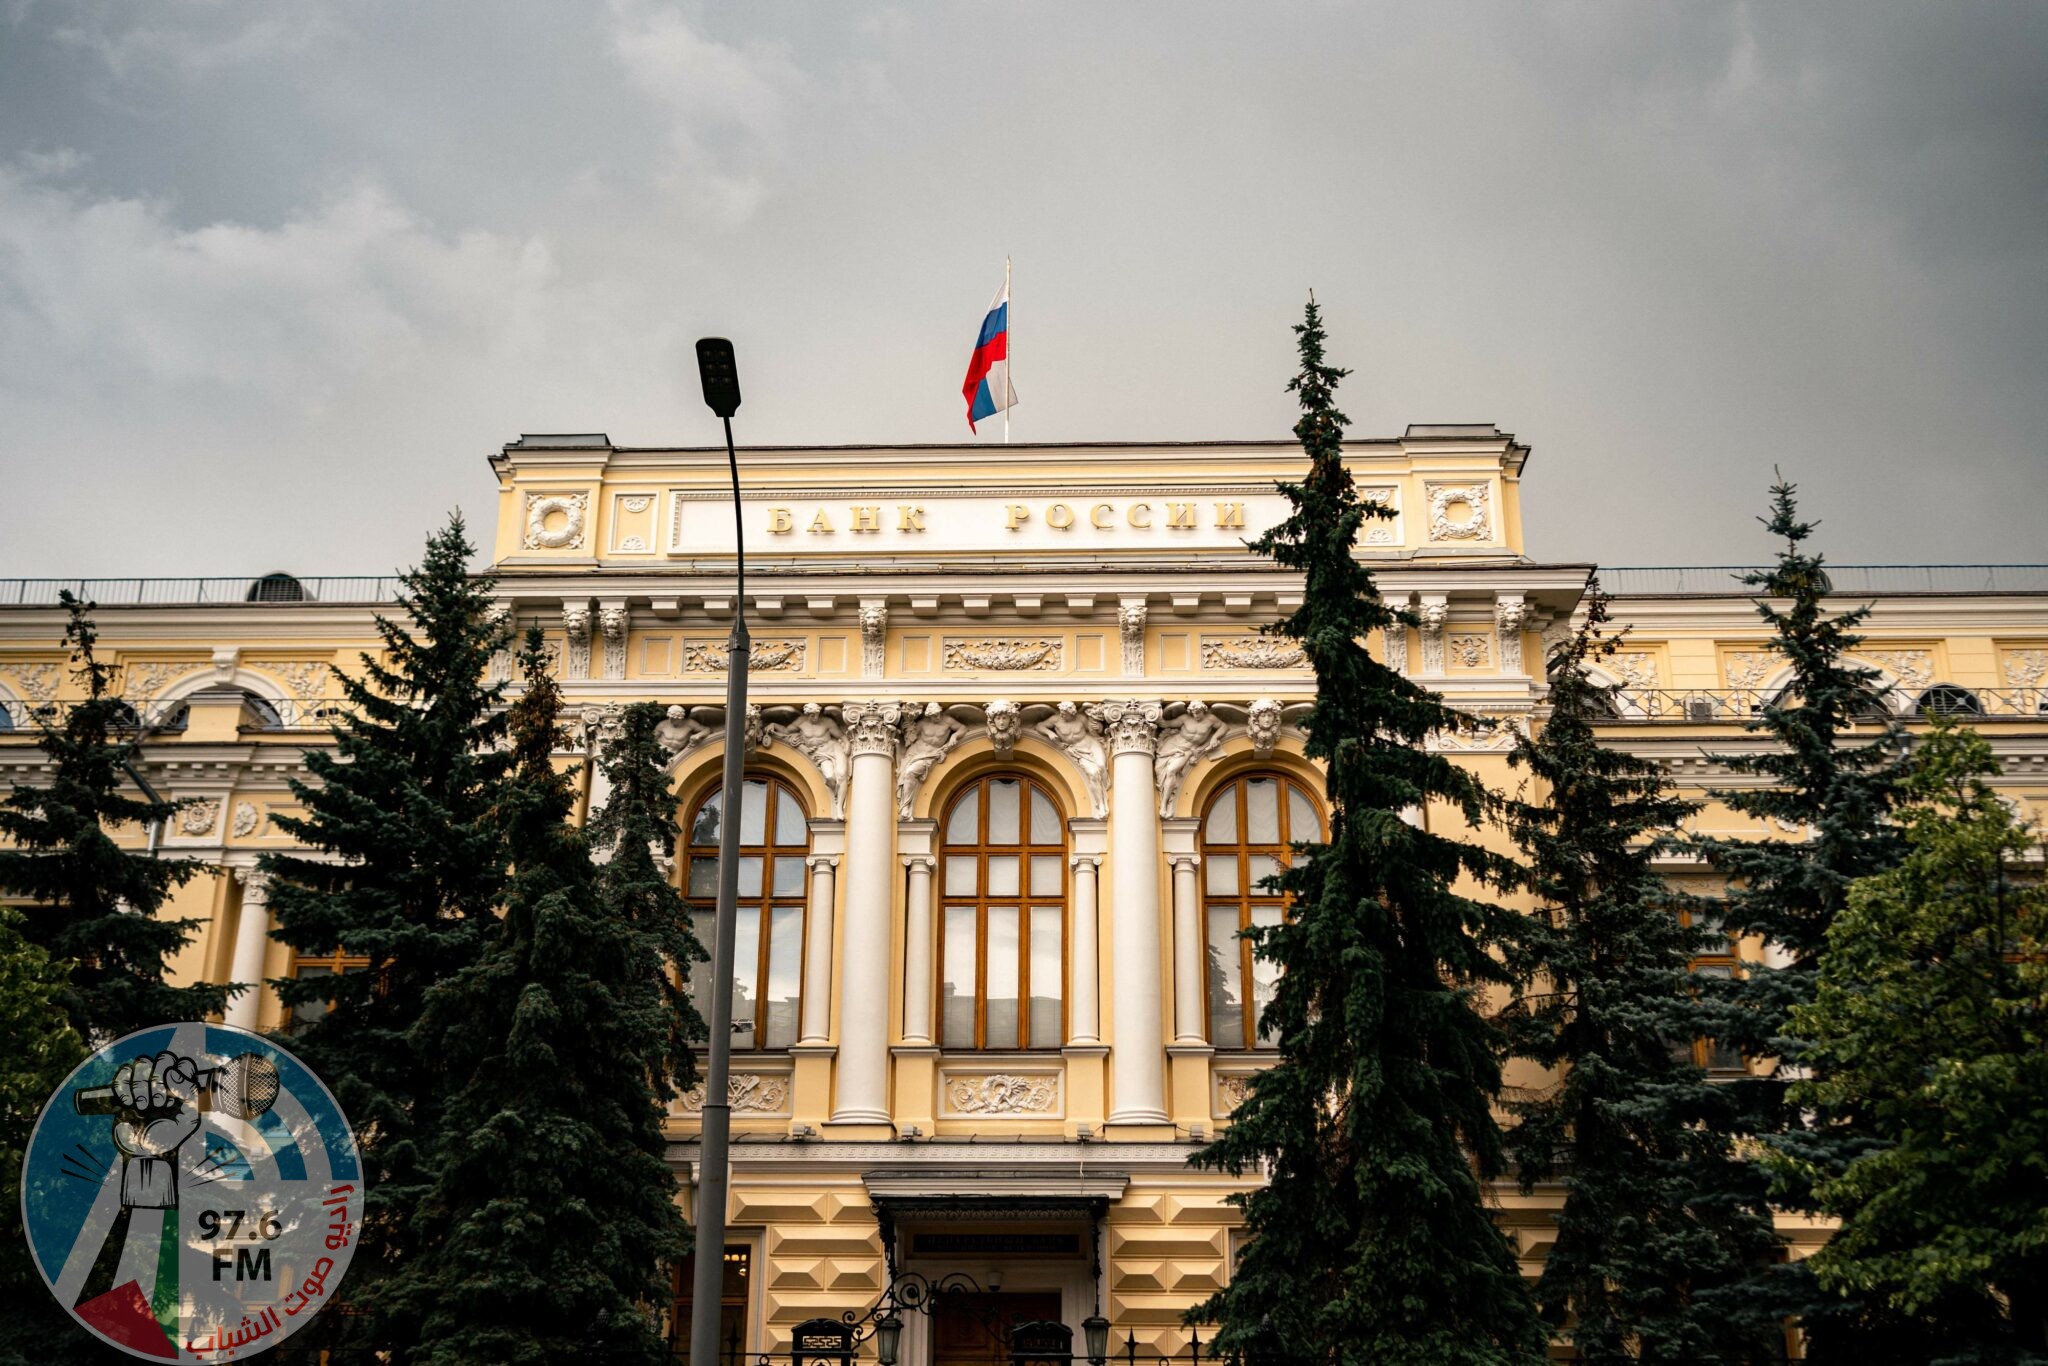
(974,1330)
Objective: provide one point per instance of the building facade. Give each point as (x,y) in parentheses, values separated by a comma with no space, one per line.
(1018,756)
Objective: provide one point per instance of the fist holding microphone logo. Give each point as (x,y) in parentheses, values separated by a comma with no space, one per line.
(192,1193)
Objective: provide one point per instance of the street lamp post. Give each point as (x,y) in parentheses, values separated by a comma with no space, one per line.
(720,374)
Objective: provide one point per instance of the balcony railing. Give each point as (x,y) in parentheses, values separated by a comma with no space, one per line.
(262,589)
(1725,580)
(1735,706)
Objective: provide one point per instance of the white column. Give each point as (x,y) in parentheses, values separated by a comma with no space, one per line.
(1187,949)
(252,944)
(1084,1020)
(817,1019)
(1138,1050)
(918,988)
(872,729)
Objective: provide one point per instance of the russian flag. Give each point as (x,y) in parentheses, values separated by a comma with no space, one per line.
(987,389)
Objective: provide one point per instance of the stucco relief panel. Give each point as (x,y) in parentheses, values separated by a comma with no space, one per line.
(1018,1094)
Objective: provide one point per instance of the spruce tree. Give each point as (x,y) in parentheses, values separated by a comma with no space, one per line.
(1661,1222)
(1818,775)
(406,807)
(1930,1022)
(94,905)
(553,1214)
(38,1049)
(1370,1240)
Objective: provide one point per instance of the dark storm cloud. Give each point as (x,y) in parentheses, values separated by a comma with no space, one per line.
(273,279)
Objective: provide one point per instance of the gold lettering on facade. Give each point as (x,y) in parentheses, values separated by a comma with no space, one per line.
(779,521)
(1016,514)
(1059,516)
(821,523)
(1180,516)
(866,518)
(1102,516)
(909,518)
(1132,515)
(1230,514)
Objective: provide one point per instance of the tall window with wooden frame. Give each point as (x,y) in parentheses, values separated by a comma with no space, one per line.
(1248,830)
(1718,960)
(1002,926)
(767,967)
(733,1289)
(304,965)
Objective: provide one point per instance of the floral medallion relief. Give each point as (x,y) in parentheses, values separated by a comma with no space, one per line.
(748,1093)
(2026,668)
(1030,654)
(554,521)
(1032,1094)
(1252,652)
(764,656)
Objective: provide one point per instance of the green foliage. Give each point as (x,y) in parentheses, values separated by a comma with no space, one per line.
(553,1218)
(1816,773)
(407,810)
(1660,1221)
(1371,1241)
(1930,1023)
(93,904)
(38,1049)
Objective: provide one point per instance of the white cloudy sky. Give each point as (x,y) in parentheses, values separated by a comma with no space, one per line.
(275,278)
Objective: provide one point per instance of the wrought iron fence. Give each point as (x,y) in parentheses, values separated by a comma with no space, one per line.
(1725,706)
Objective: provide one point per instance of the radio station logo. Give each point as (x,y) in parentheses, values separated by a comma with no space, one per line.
(192,1193)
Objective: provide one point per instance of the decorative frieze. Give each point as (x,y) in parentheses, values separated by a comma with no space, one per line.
(1252,652)
(1749,668)
(141,682)
(1031,1094)
(1488,733)
(1636,669)
(543,532)
(1231,1090)
(1381,531)
(1045,654)
(748,1093)
(763,656)
(2026,668)
(1914,669)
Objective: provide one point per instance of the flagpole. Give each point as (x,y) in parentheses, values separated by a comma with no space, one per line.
(1009,351)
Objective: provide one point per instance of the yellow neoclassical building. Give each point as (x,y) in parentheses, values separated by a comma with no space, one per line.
(1018,757)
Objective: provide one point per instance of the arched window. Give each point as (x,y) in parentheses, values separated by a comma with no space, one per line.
(767,965)
(1002,933)
(1246,831)
(1946,699)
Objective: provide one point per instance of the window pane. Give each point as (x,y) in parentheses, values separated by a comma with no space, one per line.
(785,974)
(1003,798)
(1226,1007)
(1045,874)
(1222,874)
(306,1013)
(1302,822)
(703,877)
(1265,975)
(960,874)
(704,830)
(956,980)
(789,819)
(1262,811)
(1222,826)
(1046,958)
(746,975)
(1045,821)
(963,825)
(754,812)
(1257,868)
(700,972)
(1002,875)
(750,875)
(1000,1022)
(789,877)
